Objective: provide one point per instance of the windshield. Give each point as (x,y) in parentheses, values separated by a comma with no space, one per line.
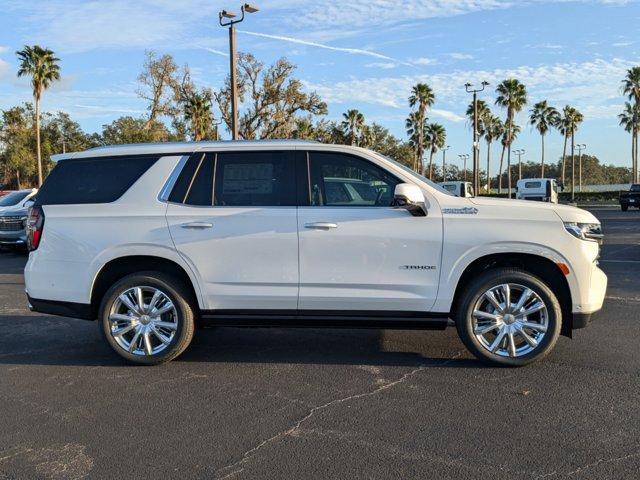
(13,198)
(418,176)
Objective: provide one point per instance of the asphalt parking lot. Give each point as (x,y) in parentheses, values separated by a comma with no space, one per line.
(300,404)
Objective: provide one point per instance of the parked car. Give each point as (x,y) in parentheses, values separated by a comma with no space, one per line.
(12,228)
(537,189)
(630,198)
(459,189)
(16,200)
(148,239)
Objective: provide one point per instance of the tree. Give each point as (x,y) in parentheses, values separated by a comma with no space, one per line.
(630,121)
(436,137)
(416,126)
(42,66)
(352,125)
(274,99)
(197,112)
(134,130)
(493,129)
(159,85)
(423,97)
(509,134)
(543,117)
(512,95)
(573,120)
(631,88)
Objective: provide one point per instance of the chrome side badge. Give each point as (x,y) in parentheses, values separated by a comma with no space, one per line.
(460,211)
(417,267)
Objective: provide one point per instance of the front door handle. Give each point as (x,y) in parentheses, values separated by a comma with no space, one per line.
(321,225)
(197,225)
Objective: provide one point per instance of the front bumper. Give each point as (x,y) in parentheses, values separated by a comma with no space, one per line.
(592,301)
(15,238)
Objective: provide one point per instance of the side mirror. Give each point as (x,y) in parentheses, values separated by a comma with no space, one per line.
(411,198)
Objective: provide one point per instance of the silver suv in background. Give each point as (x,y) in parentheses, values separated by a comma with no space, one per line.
(14,208)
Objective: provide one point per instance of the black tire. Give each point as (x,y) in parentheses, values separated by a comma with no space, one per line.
(179,296)
(624,207)
(494,277)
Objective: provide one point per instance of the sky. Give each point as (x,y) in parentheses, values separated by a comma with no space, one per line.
(363,54)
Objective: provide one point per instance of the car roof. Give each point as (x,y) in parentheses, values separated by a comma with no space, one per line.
(182,147)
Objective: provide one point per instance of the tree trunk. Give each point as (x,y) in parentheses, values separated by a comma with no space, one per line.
(500,173)
(542,161)
(509,170)
(431,165)
(564,158)
(18,179)
(488,165)
(38,152)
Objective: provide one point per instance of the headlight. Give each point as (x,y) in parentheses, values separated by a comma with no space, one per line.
(585,231)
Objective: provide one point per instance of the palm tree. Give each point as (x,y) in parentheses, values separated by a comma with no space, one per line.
(568,125)
(543,117)
(631,88)
(506,144)
(416,126)
(630,120)
(493,129)
(423,97)
(436,137)
(512,95)
(352,125)
(42,66)
(197,112)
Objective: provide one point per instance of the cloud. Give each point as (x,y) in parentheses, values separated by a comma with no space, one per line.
(354,51)
(214,51)
(461,56)
(424,61)
(3,49)
(4,69)
(382,65)
(592,86)
(447,115)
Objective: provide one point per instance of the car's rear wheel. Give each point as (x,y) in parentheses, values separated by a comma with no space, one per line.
(508,317)
(147,318)
(624,207)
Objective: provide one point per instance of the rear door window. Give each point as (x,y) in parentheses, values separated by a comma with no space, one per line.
(92,180)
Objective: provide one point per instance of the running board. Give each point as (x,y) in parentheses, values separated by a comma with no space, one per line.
(327,319)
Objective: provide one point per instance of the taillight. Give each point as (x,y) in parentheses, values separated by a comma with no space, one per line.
(35,224)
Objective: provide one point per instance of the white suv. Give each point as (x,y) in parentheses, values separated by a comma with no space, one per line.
(149,239)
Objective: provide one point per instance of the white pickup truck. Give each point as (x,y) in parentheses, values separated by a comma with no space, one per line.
(150,239)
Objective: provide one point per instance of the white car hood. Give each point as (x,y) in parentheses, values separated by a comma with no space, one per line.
(565,212)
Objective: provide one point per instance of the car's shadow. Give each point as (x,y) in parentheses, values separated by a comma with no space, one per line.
(68,342)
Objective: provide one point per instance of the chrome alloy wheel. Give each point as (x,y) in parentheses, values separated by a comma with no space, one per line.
(143,320)
(510,320)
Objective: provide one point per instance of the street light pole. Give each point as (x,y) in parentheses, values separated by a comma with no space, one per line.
(580,147)
(476,144)
(233,59)
(464,158)
(444,162)
(519,153)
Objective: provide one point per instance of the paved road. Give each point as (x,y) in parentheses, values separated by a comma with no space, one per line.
(256,403)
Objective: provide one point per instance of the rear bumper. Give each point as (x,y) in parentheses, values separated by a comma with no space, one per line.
(63,309)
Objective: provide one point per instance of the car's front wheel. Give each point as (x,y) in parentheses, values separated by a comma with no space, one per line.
(147,318)
(508,317)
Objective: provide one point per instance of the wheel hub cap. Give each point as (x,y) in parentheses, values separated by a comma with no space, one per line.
(143,320)
(510,320)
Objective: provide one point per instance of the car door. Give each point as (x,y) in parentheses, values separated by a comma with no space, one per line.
(357,252)
(232,216)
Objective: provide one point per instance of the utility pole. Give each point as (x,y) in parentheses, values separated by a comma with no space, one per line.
(519,153)
(476,144)
(444,162)
(580,147)
(233,59)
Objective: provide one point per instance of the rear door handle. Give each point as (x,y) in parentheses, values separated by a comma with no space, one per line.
(197,225)
(321,225)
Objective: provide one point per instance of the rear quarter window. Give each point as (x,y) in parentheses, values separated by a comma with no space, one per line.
(92,180)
